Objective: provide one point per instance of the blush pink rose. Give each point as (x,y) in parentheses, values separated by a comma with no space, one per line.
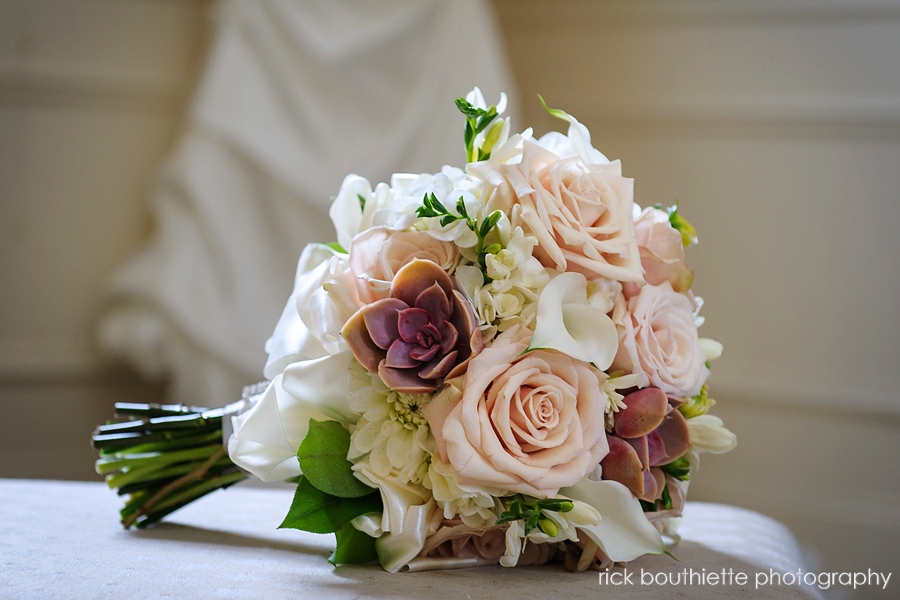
(662,251)
(377,254)
(529,423)
(658,338)
(580,213)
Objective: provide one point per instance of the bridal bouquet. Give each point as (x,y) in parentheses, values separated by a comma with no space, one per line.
(496,364)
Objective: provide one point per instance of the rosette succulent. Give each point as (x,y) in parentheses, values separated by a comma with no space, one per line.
(423,332)
(648,434)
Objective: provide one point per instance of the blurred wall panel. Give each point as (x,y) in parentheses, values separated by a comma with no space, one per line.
(90,96)
(776,126)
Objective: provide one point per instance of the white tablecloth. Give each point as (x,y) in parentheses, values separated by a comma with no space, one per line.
(63,540)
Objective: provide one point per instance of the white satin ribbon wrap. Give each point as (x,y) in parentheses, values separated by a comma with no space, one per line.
(410,515)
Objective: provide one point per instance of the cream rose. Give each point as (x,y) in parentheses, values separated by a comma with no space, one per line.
(662,251)
(378,253)
(580,213)
(515,422)
(658,338)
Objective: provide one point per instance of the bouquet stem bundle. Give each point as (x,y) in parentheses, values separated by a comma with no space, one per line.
(163,457)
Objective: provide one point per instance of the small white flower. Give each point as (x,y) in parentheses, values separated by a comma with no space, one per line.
(602,293)
(475,508)
(516,280)
(392,438)
(615,399)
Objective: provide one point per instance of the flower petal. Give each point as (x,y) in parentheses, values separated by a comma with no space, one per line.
(416,277)
(567,323)
(434,301)
(405,380)
(382,321)
(398,355)
(410,321)
(345,211)
(623,533)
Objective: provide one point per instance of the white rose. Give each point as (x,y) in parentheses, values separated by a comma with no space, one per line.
(308,364)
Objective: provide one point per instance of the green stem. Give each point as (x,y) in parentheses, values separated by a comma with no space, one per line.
(131,461)
(189,495)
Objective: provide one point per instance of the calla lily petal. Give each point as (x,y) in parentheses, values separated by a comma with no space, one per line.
(346,212)
(623,533)
(567,323)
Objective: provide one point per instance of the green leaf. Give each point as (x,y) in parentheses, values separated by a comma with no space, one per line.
(336,247)
(461,207)
(323,460)
(353,547)
(531,522)
(666,498)
(362,203)
(436,204)
(679,469)
(467,109)
(317,512)
(447,219)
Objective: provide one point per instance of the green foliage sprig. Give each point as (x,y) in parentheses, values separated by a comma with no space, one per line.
(477,120)
(680,469)
(520,508)
(432,207)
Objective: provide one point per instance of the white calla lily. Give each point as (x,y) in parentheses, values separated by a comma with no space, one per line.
(346,212)
(708,434)
(623,532)
(568,323)
(322,301)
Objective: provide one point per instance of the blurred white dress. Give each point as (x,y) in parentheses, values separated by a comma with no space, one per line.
(295,96)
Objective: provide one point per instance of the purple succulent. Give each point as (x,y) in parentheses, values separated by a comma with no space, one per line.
(423,332)
(649,433)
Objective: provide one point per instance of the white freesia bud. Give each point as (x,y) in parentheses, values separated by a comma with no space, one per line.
(711,348)
(514,534)
(708,434)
